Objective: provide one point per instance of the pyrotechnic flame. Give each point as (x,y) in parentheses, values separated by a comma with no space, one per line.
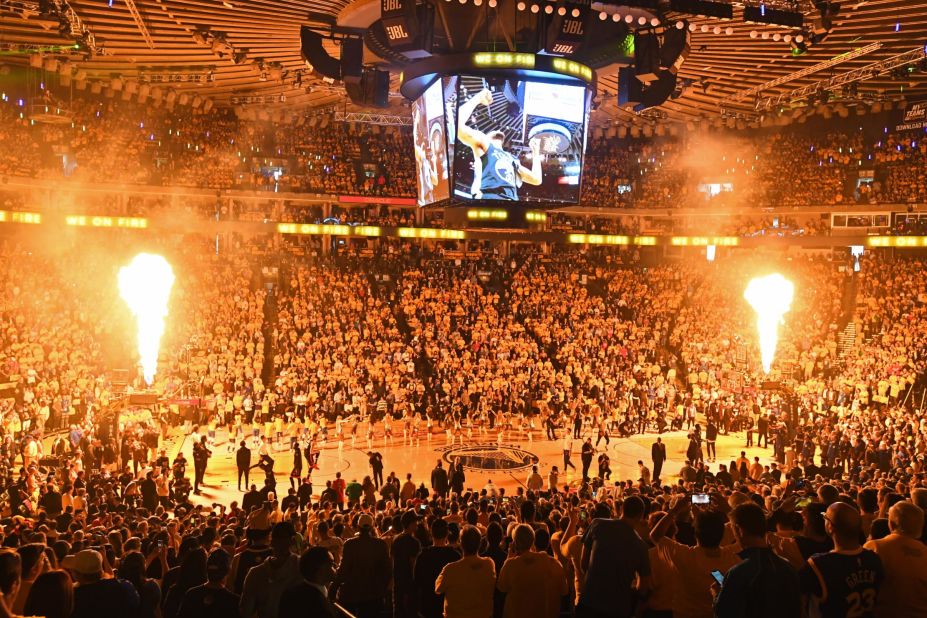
(145,285)
(771,298)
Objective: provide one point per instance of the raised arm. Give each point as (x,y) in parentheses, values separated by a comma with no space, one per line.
(431,168)
(473,138)
(532,176)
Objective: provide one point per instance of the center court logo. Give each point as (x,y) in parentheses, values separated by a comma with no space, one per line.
(490,457)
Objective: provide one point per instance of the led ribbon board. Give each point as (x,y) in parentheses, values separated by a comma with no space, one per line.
(419,75)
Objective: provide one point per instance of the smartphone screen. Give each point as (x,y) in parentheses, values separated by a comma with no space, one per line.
(718,577)
(700,499)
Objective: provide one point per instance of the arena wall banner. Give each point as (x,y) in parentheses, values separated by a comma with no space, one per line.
(913,117)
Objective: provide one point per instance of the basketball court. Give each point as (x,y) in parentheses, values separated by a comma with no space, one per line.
(506,464)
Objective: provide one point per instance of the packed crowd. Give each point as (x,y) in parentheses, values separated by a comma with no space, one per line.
(122,142)
(407,343)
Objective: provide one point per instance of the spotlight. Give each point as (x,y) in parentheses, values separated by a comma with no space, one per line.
(548,9)
(629,19)
(561,11)
(754,34)
(787,38)
(603,15)
(717,30)
(520,6)
(692,27)
(704,28)
(642,20)
(616,17)
(574,13)
(535,8)
(654,22)
(680,25)
(493,4)
(729,31)
(777,36)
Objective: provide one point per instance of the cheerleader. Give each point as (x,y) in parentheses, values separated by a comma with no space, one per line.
(416,427)
(369,434)
(388,428)
(269,431)
(354,423)
(211,428)
(429,427)
(339,435)
(457,429)
(230,429)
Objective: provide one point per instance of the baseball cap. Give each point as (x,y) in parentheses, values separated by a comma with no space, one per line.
(85,562)
(365,521)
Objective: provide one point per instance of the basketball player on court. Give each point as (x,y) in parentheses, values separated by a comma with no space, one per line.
(496,173)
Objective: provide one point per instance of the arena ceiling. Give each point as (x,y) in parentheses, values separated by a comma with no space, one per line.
(246,53)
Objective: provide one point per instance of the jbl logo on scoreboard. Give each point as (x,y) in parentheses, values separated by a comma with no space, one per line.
(566,34)
(396,33)
(572,26)
(400,22)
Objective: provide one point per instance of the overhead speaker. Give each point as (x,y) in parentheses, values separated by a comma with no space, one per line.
(352,58)
(314,53)
(647,57)
(675,49)
(380,86)
(657,92)
(630,90)
(370,90)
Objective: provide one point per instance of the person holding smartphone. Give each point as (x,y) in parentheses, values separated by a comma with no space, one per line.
(693,596)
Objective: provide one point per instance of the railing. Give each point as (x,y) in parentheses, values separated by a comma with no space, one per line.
(343,612)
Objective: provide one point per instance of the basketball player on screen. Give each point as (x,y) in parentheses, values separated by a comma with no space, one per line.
(496,173)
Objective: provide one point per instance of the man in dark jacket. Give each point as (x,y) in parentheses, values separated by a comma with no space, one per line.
(251,499)
(243,461)
(363,578)
(149,491)
(201,456)
(586,457)
(439,481)
(658,456)
(376,466)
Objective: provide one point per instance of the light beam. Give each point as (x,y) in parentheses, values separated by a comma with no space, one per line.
(771,298)
(145,285)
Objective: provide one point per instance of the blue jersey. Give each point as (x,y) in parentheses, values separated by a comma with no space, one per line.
(500,173)
(843,584)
